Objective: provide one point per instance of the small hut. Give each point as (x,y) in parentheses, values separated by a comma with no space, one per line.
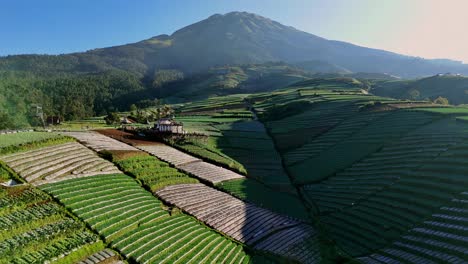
(167,125)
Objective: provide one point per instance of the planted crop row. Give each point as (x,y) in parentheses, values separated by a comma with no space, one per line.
(34,229)
(153,172)
(263,196)
(135,222)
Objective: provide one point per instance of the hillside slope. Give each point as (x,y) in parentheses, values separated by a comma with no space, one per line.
(450,86)
(233,38)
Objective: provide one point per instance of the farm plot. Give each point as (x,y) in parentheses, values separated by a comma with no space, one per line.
(442,238)
(209,172)
(152,172)
(168,154)
(295,131)
(99,142)
(248,143)
(57,163)
(335,135)
(368,140)
(379,170)
(134,222)
(34,229)
(257,193)
(190,164)
(24,137)
(384,216)
(244,222)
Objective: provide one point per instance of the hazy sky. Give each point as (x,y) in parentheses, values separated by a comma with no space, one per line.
(425,28)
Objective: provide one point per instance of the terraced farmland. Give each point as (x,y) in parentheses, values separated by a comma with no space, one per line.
(248,143)
(189,164)
(24,137)
(99,142)
(360,144)
(57,163)
(136,224)
(263,196)
(169,154)
(152,172)
(34,229)
(244,222)
(439,238)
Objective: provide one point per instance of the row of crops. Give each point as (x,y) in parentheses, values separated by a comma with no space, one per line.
(136,224)
(245,146)
(388,182)
(58,162)
(244,222)
(34,229)
(152,172)
(248,143)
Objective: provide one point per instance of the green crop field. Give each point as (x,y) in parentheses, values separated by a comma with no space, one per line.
(136,224)
(371,179)
(356,164)
(153,172)
(35,229)
(7,140)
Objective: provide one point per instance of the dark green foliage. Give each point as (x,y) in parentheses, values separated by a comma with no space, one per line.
(452,87)
(71,96)
(6,121)
(112,118)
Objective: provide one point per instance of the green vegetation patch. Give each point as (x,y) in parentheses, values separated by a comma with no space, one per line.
(24,141)
(152,172)
(34,229)
(444,110)
(137,224)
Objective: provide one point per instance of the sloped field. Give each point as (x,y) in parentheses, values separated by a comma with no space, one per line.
(136,224)
(244,222)
(34,229)
(57,163)
(98,142)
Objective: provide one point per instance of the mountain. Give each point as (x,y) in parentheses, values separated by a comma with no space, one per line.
(230,39)
(451,86)
(231,53)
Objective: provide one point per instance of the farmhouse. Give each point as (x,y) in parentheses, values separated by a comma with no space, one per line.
(169,126)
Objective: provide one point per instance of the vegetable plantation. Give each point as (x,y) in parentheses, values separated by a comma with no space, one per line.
(137,225)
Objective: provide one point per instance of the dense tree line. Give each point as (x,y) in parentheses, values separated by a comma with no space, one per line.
(68,96)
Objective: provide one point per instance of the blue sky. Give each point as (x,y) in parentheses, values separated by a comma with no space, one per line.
(426,28)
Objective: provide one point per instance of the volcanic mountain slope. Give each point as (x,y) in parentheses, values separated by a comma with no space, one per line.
(233,38)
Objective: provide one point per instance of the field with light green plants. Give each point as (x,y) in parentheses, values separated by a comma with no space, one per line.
(35,229)
(384,176)
(379,180)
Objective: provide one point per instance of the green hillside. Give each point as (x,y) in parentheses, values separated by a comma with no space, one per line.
(384,177)
(450,86)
